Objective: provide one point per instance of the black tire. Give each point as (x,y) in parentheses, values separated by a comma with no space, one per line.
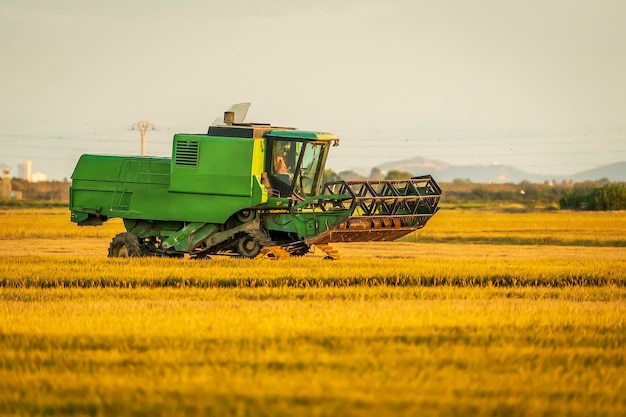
(248,247)
(124,245)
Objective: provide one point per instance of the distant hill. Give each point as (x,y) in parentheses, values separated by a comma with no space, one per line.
(614,172)
(496,173)
(446,172)
(417,163)
(351,175)
(487,174)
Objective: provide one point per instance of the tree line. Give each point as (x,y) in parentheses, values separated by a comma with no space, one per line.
(589,195)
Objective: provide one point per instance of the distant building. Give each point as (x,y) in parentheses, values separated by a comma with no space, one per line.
(25,170)
(39,177)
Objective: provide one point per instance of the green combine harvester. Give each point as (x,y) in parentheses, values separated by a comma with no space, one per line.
(245,189)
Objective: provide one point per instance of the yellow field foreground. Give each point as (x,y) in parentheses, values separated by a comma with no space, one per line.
(477,317)
(287,351)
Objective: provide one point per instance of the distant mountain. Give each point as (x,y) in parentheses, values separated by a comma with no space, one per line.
(486,174)
(445,172)
(417,163)
(614,172)
(351,175)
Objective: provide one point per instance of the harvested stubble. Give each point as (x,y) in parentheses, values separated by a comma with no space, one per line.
(397,329)
(50,272)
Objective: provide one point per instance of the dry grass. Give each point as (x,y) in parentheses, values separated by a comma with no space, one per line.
(432,329)
(285,351)
(50,224)
(537,228)
(51,272)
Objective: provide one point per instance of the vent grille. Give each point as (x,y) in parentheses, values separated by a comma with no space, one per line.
(187,153)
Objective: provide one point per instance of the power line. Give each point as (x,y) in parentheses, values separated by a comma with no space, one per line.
(371,142)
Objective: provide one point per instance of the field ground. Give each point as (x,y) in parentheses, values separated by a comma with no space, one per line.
(481,313)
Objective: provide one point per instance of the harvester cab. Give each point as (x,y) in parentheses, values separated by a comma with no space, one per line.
(296,166)
(245,189)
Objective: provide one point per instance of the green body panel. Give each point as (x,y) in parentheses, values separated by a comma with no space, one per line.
(116,186)
(224,178)
(306,224)
(189,236)
(304,218)
(147,228)
(215,165)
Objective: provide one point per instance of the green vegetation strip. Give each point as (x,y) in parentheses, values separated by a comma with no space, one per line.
(43,272)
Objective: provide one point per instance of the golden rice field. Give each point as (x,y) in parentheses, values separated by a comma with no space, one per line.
(480,314)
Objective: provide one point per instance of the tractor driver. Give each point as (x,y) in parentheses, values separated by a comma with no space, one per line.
(281,165)
(280,172)
(280,153)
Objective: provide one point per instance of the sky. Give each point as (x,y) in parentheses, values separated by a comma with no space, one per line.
(539,85)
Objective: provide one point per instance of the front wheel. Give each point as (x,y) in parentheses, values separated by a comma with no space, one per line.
(124,245)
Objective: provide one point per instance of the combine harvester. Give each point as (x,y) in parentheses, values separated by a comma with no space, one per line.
(245,189)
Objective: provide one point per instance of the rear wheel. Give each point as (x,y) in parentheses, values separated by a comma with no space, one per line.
(124,245)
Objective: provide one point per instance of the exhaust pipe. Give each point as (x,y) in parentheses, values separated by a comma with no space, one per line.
(229,117)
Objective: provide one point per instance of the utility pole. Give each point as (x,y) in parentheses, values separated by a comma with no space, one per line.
(143,127)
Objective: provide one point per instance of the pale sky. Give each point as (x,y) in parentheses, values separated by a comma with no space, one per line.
(540,85)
